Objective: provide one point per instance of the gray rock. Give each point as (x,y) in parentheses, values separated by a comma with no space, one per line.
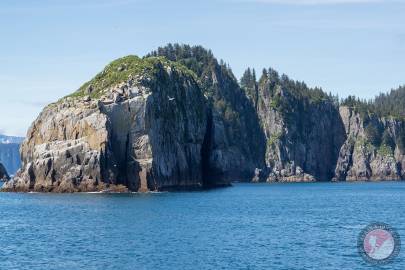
(303,138)
(141,143)
(359,159)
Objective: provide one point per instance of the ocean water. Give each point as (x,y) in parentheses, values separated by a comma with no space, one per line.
(247,226)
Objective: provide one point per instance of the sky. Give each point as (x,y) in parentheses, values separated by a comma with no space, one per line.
(48,49)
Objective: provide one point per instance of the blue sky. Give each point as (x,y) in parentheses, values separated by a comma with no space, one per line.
(49,48)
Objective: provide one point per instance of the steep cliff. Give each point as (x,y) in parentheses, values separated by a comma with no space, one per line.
(374,149)
(140,124)
(178,119)
(237,144)
(303,129)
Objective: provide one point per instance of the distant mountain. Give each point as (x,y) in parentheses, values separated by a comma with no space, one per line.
(9,153)
(10,139)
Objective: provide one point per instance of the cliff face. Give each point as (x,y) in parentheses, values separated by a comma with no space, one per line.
(178,119)
(144,133)
(146,124)
(373,149)
(304,133)
(237,143)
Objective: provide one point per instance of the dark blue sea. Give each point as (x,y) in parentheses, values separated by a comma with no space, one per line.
(247,226)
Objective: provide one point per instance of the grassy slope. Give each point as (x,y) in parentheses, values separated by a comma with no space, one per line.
(122,69)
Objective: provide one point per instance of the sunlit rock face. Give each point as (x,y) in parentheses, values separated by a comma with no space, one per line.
(303,129)
(363,157)
(178,119)
(144,133)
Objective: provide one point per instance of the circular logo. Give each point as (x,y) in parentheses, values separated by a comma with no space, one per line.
(379,243)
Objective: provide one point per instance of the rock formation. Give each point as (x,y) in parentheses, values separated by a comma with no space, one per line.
(303,130)
(178,119)
(140,124)
(368,155)
(237,144)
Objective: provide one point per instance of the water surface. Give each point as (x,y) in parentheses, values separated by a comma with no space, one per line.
(247,226)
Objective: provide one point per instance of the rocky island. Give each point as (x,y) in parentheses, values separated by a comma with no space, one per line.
(179,119)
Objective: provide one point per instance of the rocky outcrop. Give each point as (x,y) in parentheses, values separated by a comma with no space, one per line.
(3,173)
(178,119)
(304,133)
(143,132)
(237,144)
(372,150)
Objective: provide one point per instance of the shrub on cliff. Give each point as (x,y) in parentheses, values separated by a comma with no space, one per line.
(388,140)
(373,134)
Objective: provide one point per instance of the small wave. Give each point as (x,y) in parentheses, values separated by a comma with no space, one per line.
(358,226)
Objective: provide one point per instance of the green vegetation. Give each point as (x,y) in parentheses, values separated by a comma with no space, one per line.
(382,149)
(287,96)
(391,104)
(249,85)
(203,63)
(385,150)
(215,78)
(387,139)
(373,134)
(277,103)
(196,58)
(124,68)
(274,138)
(364,143)
(116,72)
(223,92)
(271,80)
